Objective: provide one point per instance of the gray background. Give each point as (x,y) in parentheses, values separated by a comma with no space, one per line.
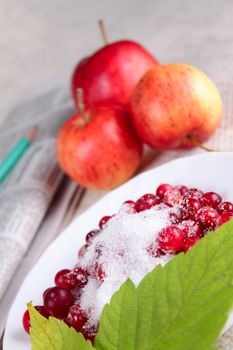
(40,41)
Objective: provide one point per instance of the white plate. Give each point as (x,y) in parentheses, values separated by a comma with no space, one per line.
(207,171)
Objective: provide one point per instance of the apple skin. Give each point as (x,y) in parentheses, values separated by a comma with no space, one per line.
(110,75)
(102,153)
(174,102)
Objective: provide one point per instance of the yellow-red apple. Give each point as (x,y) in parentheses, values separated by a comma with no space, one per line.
(175,106)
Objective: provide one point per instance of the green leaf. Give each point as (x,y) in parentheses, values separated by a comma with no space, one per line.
(181,306)
(115,320)
(52,334)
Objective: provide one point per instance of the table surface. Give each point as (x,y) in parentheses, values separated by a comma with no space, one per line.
(41,41)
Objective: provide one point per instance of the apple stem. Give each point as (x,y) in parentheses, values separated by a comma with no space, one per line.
(200,145)
(80,100)
(103,31)
(81,106)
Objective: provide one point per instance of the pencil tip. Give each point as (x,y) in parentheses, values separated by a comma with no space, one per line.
(31,135)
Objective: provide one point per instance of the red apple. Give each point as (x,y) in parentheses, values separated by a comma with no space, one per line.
(110,75)
(175,106)
(99,148)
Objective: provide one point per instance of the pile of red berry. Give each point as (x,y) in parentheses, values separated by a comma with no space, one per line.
(196,214)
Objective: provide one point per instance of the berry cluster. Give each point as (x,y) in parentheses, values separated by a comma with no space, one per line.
(196,214)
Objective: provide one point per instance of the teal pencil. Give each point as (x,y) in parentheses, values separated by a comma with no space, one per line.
(16,153)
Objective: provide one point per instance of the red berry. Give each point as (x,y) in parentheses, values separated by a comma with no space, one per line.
(189,242)
(183,189)
(103,221)
(100,273)
(26,321)
(44,311)
(76,317)
(225,207)
(208,218)
(192,233)
(129,202)
(129,207)
(189,207)
(91,235)
(58,300)
(46,290)
(194,193)
(172,197)
(171,239)
(162,189)
(190,228)
(211,199)
(80,276)
(154,251)
(82,251)
(89,332)
(224,217)
(64,279)
(146,202)
(97,272)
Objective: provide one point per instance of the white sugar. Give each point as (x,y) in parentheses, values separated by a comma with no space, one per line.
(124,243)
